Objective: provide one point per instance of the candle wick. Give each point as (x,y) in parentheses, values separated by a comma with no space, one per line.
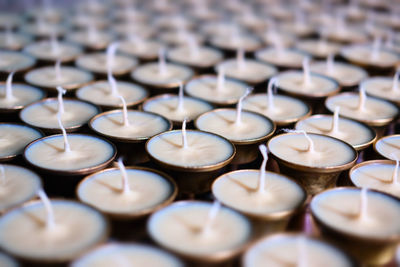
(9,93)
(240,59)
(395,86)
(50,222)
(124,111)
(92,32)
(3,175)
(67,148)
(125,182)
(112,82)
(238,120)
(58,70)
(184,137)
(362,98)
(55,46)
(8,34)
(180,106)
(261,180)
(376,48)
(193,46)
(137,42)
(306,71)
(395,179)
(111,50)
(363,204)
(162,68)
(270,94)
(212,214)
(335,121)
(302,252)
(221,78)
(330,63)
(61,91)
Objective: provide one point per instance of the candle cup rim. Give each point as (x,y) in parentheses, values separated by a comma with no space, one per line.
(382,138)
(56,129)
(374,122)
(368,64)
(324,169)
(133,214)
(242,141)
(195,65)
(19,107)
(202,168)
(348,234)
(271,216)
(71,173)
(293,65)
(357,147)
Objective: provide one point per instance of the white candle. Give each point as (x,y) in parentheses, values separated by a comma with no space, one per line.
(363,54)
(141,48)
(15,61)
(98,40)
(318,48)
(388,146)
(14,41)
(53,50)
(383,87)
(236,40)
(205,57)
(286,58)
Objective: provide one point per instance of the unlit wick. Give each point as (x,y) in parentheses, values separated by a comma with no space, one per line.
(363,204)
(111,50)
(239,108)
(58,70)
(362,98)
(310,148)
(335,121)
(212,214)
(306,71)
(61,91)
(50,222)
(221,78)
(113,83)
(180,106)
(162,68)
(330,63)
(124,110)
(240,59)
(193,46)
(125,182)
(9,94)
(395,85)
(184,137)
(376,48)
(55,46)
(261,180)
(67,148)
(270,94)
(395,179)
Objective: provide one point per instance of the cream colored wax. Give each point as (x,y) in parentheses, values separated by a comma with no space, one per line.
(204,57)
(105,191)
(389,147)
(236,41)
(327,152)
(318,48)
(251,71)
(14,138)
(15,61)
(77,228)
(179,228)
(86,152)
(100,93)
(97,62)
(44,50)
(145,49)
(365,55)
(382,87)
(43,114)
(17,185)
(14,41)
(99,39)
(22,95)
(281,57)
(294,250)
(131,254)
(340,210)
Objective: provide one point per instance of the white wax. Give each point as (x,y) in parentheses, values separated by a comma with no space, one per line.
(14,41)
(142,125)
(378,176)
(85,20)
(86,152)
(340,209)
(284,250)
(345,74)
(389,146)
(253,71)
(178,38)
(147,49)
(104,191)
(45,29)
(70,77)
(328,152)
(204,149)
(363,54)
(22,95)
(10,20)
(99,93)
(19,185)
(7,261)
(149,74)
(318,48)
(206,88)
(293,82)
(167,105)
(283,38)
(206,57)
(286,58)
(374,108)
(14,138)
(97,62)
(43,114)
(239,190)
(346,34)
(43,50)
(77,228)
(127,28)
(297,28)
(131,254)
(100,40)
(15,61)
(285,110)
(352,132)
(382,87)
(223,122)
(178,227)
(243,41)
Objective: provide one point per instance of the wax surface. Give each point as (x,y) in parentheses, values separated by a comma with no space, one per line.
(149,49)
(77,228)
(104,191)
(340,210)
(179,227)
(318,48)
(360,53)
(86,151)
(328,151)
(100,93)
(207,57)
(149,74)
(46,77)
(22,95)
(389,146)
(281,250)
(101,38)
(129,254)
(285,108)
(253,71)
(350,131)
(287,57)
(15,61)
(168,107)
(246,42)
(382,87)
(207,88)
(223,122)
(378,176)
(97,62)
(204,149)
(43,50)
(238,190)
(14,138)
(15,42)
(19,185)
(44,114)
(142,125)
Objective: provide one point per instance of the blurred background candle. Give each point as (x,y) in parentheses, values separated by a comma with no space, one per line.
(388,147)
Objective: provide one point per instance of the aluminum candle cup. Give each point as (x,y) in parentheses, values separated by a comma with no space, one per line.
(316,169)
(388,147)
(195,166)
(133,136)
(372,237)
(183,228)
(246,135)
(269,209)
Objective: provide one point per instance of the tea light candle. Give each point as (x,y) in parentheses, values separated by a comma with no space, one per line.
(179,37)
(281,57)
(90,38)
(126,28)
(127,253)
(236,40)
(294,249)
(127,192)
(276,38)
(13,41)
(15,61)
(17,185)
(42,28)
(141,48)
(319,48)
(384,87)
(199,230)
(195,56)
(13,139)
(46,231)
(388,146)
(53,50)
